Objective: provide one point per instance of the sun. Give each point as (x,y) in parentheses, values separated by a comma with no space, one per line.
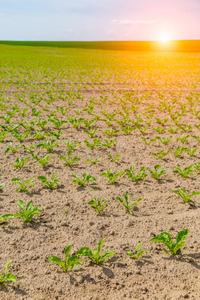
(164,38)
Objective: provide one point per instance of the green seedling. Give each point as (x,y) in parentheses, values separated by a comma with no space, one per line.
(5,217)
(48,145)
(191,151)
(95,255)
(160,121)
(111,132)
(69,161)
(178,151)
(39,135)
(72,144)
(86,178)
(10,127)
(149,142)
(24,185)
(57,123)
(20,137)
(20,162)
(63,110)
(49,184)
(97,204)
(186,171)
(186,198)
(43,161)
(161,154)
(3,136)
(75,121)
(197,166)
(92,132)
(5,277)
(69,264)
(159,129)
(110,143)
(27,125)
(56,134)
(166,239)
(93,161)
(35,113)
(131,173)
(125,203)
(11,148)
(22,112)
(114,159)
(29,148)
(156,174)
(1,185)
(138,252)
(96,143)
(196,137)
(173,130)
(183,139)
(41,124)
(185,127)
(111,176)
(165,141)
(26,214)
(128,129)
(89,123)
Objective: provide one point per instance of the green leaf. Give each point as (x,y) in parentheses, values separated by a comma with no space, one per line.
(21,204)
(181,236)
(7,266)
(67,251)
(84,251)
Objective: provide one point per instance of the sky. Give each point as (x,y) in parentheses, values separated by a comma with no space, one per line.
(99,20)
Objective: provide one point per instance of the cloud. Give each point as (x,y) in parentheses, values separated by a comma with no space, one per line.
(129,22)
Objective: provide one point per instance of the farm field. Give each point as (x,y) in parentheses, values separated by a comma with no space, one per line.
(105,114)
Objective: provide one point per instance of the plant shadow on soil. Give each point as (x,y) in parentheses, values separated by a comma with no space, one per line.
(17,290)
(188,258)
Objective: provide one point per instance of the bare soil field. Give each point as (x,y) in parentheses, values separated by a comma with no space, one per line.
(148,102)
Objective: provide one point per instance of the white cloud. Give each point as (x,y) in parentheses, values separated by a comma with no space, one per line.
(110,33)
(130,22)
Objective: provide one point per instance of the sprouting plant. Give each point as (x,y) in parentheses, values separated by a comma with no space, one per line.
(43,161)
(111,132)
(185,127)
(173,130)
(11,148)
(20,137)
(42,124)
(50,184)
(191,151)
(20,162)
(69,264)
(75,121)
(114,159)
(56,134)
(26,124)
(1,185)
(72,144)
(97,204)
(186,198)
(186,171)
(63,110)
(111,176)
(196,137)
(57,123)
(5,217)
(138,252)
(69,161)
(24,185)
(39,135)
(159,129)
(178,151)
(131,173)
(160,121)
(183,139)
(48,145)
(6,277)
(160,154)
(93,161)
(91,132)
(35,113)
(96,143)
(149,142)
(95,255)
(26,214)
(166,239)
(197,166)
(3,136)
(128,129)
(165,141)
(110,143)
(89,123)
(155,174)
(125,203)
(86,178)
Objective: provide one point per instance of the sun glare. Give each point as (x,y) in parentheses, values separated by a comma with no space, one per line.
(164,38)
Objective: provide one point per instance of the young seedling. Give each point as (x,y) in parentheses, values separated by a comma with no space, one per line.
(43,161)
(56,134)
(69,264)
(20,162)
(191,151)
(96,143)
(92,132)
(183,139)
(197,166)
(131,173)
(72,145)
(178,151)
(48,145)
(166,239)
(173,130)
(1,185)
(196,137)
(111,176)
(148,142)
(165,141)
(28,125)
(111,132)
(26,214)
(5,217)
(41,124)
(114,159)
(186,198)
(186,171)
(29,148)
(20,137)
(161,154)
(138,252)
(156,174)
(5,277)
(125,203)
(75,121)
(49,184)
(39,135)
(86,178)
(97,204)
(57,123)
(69,161)
(159,129)
(93,161)
(128,129)
(11,148)
(24,185)
(95,255)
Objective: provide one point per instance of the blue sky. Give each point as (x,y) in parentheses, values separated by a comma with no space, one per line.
(91,20)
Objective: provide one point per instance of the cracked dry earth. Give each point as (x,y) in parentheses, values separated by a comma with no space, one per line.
(126,80)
